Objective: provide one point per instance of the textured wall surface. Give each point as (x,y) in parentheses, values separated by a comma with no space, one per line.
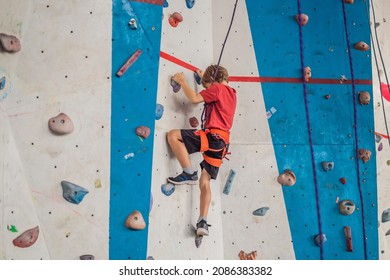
(71,52)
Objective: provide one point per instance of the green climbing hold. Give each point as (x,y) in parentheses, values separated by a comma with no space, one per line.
(12,228)
(388,162)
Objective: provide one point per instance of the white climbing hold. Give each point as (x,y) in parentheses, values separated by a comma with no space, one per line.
(61,124)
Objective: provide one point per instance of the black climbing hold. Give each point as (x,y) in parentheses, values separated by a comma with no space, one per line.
(261,211)
(87,257)
(198,79)
(320,239)
(386,216)
(198,240)
(2,83)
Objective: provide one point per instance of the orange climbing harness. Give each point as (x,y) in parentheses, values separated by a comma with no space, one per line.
(204,145)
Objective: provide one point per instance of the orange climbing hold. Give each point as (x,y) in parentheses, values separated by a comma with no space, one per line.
(250,256)
(143,131)
(364,98)
(175,19)
(307,73)
(287,178)
(364,155)
(348,1)
(135,221)
(362,46)
(61,124)
(302,19)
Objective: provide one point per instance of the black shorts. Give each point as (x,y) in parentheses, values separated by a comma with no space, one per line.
(192,143)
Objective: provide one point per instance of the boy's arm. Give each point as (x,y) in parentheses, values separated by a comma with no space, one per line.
(191,95)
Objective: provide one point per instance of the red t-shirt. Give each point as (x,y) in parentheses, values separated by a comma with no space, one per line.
(221,106)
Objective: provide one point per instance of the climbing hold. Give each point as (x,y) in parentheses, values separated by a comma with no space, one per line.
(307,73)
(302,19)
(261,211)
(159,111)
(72,192)
(320,239)
(27,238)
(362,46)
(129,155)
(198,240)
(229,181)
(175,19)
(198,79)
(61,124)
(87,257)
(12,228)
(175,86)
(364,98)
(348,238)
(150,258)
(98,184)
(343,181)
(380,147)
(327,165)
(166,4)
(378,138)
(2,83)
(190,3)
(194,122)
(346,207)
(327,96)
(287,178)
(388,162)
(135,221)
(129,62)
(348,1)
(142,131)
(386,215)
(133,24)
(249,256)
(343,79)
(364,155)
(9,43)
(168,189)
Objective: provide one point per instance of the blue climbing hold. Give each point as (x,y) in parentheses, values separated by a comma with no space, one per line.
(261,211)
(72,192)
(2,83)
(320,239)
(165,4)
(190,3)
(229,181)
(168,189)
(198,79)
(175,86)
(159,111)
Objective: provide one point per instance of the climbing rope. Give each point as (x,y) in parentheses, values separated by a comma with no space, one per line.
(376,61)
(309,131)
(206,109)
(355,126)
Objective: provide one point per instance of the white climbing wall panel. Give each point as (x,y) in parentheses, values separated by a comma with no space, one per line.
(198,40)
(64,66)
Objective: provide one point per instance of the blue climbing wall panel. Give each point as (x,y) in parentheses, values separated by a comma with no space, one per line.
(275,34)
(133,104)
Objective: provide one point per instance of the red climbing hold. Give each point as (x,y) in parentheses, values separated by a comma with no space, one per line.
(194,122)
(348,238)
(302,19)
(385,91)
(364,155)
(175,19)
(9,43)
(142,131)
(343,181)
(27,238)
(348,1)
(129,62)
(362,46)
(250,256)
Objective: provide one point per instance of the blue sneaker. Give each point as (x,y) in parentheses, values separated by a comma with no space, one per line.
(184,178)
(202,228)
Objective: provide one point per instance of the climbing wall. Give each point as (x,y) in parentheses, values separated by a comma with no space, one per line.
(97,188)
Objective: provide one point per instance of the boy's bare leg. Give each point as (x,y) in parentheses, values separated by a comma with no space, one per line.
(205,193)
(178,148)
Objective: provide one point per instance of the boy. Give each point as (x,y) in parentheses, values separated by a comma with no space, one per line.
(212,140)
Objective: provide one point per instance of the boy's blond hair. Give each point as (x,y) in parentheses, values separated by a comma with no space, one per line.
(209,73)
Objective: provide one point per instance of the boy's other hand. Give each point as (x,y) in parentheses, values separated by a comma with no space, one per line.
(179,78)
(200,73)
